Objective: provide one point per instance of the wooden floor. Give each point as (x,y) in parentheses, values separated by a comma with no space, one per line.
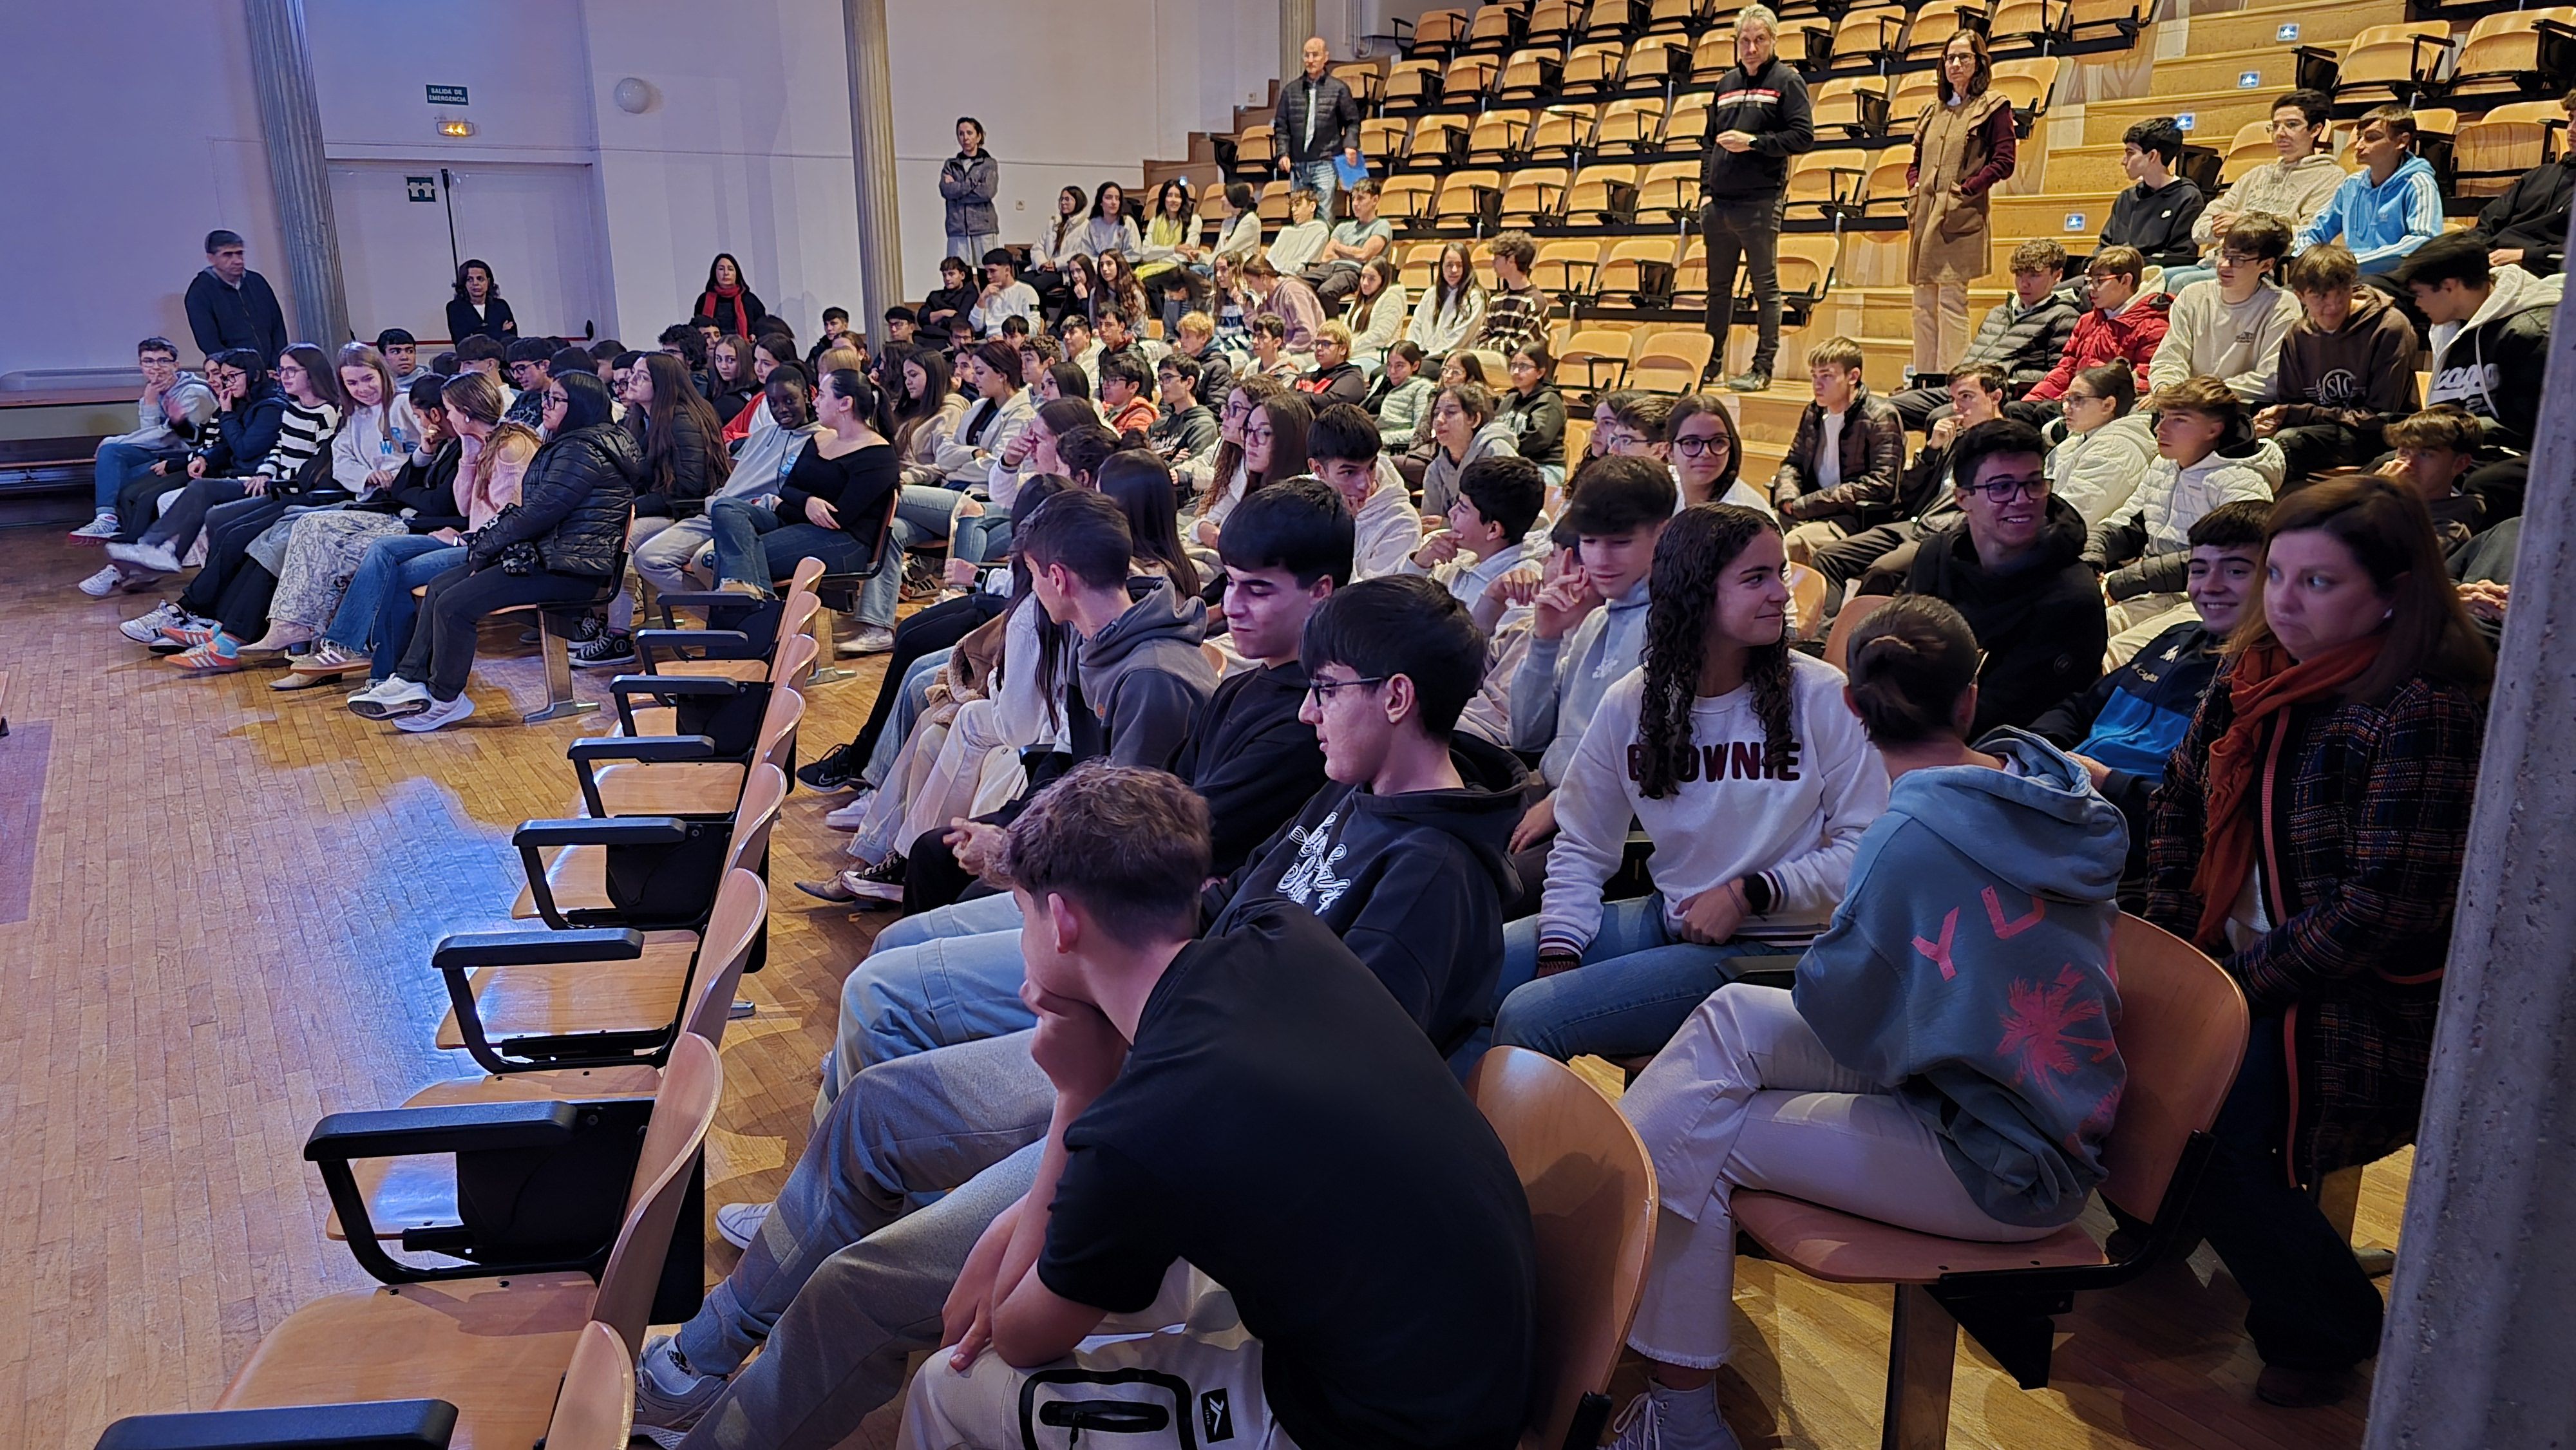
(230,899)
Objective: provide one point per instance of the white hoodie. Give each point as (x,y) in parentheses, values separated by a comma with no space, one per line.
(2098,472)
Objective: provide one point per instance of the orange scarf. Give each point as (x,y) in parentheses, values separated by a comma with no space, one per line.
(2264,683)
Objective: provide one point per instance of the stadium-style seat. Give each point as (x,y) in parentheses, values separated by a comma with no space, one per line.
(2516,53)
(1533,194)
(1870,38)
(1604,192)
(2391,63)
(1559,132)
(1497,135)
(1855,106)
(1629,126)
(1529,75)
(1593,70)
(2507,141)
(1565,267)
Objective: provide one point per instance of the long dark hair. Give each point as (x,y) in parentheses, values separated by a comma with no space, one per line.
(585,401)
(1071,382)
(1055,641)
(738,279)
(2391,536)
(919,410)
(319,374)
(1289,419)
(675,398)
(1064,221)
(492,283)
(1468,288)
(1690,560)
(1142,485)
(1257,389)
(1364,301)
(868,403)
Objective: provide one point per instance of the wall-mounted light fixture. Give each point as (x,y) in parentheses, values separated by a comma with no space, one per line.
(456,128)
(633,95)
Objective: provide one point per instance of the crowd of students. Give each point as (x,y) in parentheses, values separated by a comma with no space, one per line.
(1273,735)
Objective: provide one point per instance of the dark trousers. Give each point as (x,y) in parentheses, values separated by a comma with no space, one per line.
(2037,412)
(932,878)
(244,610)
(1921,407)
(441,652)
(137,502)
(928,630)
(1750,229)
(230,528)
(2313,1307)
(2308,449)
(1879,549)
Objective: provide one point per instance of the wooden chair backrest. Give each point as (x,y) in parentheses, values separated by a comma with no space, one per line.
(778,727)
(595,1409)
(683,1110)
(808,572)
(1591,1191)
(1838,639)
(764,790)
(2182,1035)
(1806,600)
(795,660)
(742,903)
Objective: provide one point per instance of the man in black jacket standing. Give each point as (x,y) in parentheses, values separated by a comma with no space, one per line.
(1316,118)
(1758,119)
(229,305)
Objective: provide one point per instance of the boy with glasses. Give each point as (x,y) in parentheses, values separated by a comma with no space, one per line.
(2013,566)
(2120,324)
(2231,326)
(173,407)
(2294,186)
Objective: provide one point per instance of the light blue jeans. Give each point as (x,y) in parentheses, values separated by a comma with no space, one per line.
(1319,177)
(119,464)
(2177,278)
(920,514)
(898,727)
(376,613)
(935,979)
(1637,985)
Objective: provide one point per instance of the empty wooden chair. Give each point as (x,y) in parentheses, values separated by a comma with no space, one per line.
(1594,355)
(1497,135)
(2391,63)
(1657,65)
(496,1344)
(1559,132)
(1629,126)
(1669,189)
(2181,1034)
(1528,75)
(1367,80)
(1465,195)
(1256,146)
(1437,30)
(1807,263)
(2491,151)
(1675,17)
(1614,20)
(2100,20)
(1552,21)
(1672,362)
(1533,194)
(2028,83)
(1592,70)
(1469,75)
(1686,124)
(1591,1191)
(1382,141)
(1871,37)
(2516,53)
(676,775)
(2019,26)
(1635,265)
(1933,27)
(1405,197)
(1826,185)
(1412,84)
(1493,27)
(1564,268)
(1441,141)
(2250,147)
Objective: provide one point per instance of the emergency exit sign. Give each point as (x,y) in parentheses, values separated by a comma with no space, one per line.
(421,188)
(447,95)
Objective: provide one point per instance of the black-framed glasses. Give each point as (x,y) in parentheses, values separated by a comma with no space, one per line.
(1322,691)
(1694,447)
(1999,490)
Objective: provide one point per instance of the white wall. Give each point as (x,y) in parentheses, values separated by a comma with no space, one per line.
(139,132)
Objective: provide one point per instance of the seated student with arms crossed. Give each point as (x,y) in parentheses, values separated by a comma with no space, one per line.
(1880,1085)
(1404,1312)
(1587,632)
(852,1281)
(1249,755)
(1738,756)
(2126,726)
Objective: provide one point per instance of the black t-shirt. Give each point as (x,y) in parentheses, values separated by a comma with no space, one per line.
(1284,1126)
(854,484)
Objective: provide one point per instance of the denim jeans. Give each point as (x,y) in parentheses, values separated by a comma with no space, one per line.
(375,615)
(2177,278)
(910,701)
(664,558)
(841,1283)
(936,979)
(1637,985)
(119,464)
(982,539)
(1319,177)
(754,547)
(920,514)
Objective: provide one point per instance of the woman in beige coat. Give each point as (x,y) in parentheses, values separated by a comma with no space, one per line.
(1963,147)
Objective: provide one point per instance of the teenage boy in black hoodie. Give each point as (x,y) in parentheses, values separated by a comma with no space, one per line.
(1759,118)
(929,977)
(2014,566)
(1398,857)
(2155,216)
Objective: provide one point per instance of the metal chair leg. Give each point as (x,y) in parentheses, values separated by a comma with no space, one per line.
(827,633)
(1923,1349)
(560,704)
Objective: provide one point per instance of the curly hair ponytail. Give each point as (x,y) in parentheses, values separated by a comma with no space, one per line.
(1690,562)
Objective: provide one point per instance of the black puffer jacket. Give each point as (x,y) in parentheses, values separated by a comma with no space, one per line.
(574,504)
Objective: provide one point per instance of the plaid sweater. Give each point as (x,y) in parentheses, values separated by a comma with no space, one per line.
(1513,318)
(2366,820)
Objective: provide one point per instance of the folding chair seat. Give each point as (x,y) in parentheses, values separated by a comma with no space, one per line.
(1915,92)
(680,775)
(1690,275)
(2389,63)
(1367,80)
(1564,268)
(1657,65)
(1636,267)
(1437,30)
(1559,132)
(1671,361)
(2181,1034)
(1552,21)
(497,1338)
(1613,20)
(1669,189)
(2094,20)
(1412,84)
(1441,141)
(2491,151)
(1497,135)
(1686,124)
(1711,55)
(1494,27)
(1629,126)
(1605,192)
(1676,17)
(2250,147)
(1529,75)
(1592,70)
(1465,196)
(1382,141)
(1533,194)
(1807,266)
(1597,355)
(589,871)
(2516,53)
(1256,147)
(1871,37)
(1405,197)
(1469,75)
(1887,185)
(1826,185)
(2020,25)
(1935,24)
(2027,83)
(1855,105)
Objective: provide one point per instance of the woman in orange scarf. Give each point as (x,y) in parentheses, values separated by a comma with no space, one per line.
(2309,835)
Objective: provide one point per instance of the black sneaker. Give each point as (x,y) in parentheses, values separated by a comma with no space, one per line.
(881,884)
(612,647)
(834,771)
(1750,382)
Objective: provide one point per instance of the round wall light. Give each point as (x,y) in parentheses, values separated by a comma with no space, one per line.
(633,96)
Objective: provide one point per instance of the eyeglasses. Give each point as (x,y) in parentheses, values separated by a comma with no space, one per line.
(2001,489)
(1694,447)
(1322,691)
(1263,434)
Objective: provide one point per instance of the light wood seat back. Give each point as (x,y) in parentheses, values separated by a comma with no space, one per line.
(595,1410)
(1855,608)
(1591,1191)
(742,905)
(692,1083)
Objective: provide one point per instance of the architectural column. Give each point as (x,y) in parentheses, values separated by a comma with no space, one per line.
(1296,22)
(2480,1348)
(290,130)
(872,159)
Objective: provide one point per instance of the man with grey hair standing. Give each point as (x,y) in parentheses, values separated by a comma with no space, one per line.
(1316,118)
(1759,118)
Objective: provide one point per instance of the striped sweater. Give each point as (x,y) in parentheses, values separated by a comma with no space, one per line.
(304,433)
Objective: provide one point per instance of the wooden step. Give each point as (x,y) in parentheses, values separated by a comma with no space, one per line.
(2214,114)
(2274,69)
(1772,417)
(2318,25)
(2080,170)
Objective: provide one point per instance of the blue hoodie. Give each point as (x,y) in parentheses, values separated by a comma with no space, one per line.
(1974,974)
(2380,224)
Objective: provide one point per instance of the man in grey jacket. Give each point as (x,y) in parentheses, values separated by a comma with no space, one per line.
(1316,118)
(968,182)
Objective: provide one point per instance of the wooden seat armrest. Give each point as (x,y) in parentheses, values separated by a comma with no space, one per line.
(375,1425)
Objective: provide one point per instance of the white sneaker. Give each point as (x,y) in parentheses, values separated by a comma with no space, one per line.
(872,639)
(145,628)
(849,817)
(1641,1427)
(670,1397)
(394,696)
(103,583)
(439,715)
(155,558)
(98,530)
(740,1222)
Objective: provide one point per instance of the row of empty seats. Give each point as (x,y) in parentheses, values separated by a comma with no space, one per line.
(1869,35)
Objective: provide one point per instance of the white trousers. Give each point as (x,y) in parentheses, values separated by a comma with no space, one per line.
(1746,1097)
(1186,1356)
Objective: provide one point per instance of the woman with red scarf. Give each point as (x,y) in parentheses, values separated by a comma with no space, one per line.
(732,307)
(2309,836)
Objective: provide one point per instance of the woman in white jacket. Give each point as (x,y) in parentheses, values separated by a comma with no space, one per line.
(1377,317)
(2207,455)
(2100,447)
(1452,307)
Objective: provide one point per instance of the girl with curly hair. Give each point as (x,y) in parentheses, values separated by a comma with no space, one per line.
(1749,773)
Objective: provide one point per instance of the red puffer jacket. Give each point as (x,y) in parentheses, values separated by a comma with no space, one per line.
(2099,337)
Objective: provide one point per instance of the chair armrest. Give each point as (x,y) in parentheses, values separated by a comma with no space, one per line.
(536,948)
(601,831)
(719,644)
(585,755)
(403,1132)
(667,687)
(377,1425)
